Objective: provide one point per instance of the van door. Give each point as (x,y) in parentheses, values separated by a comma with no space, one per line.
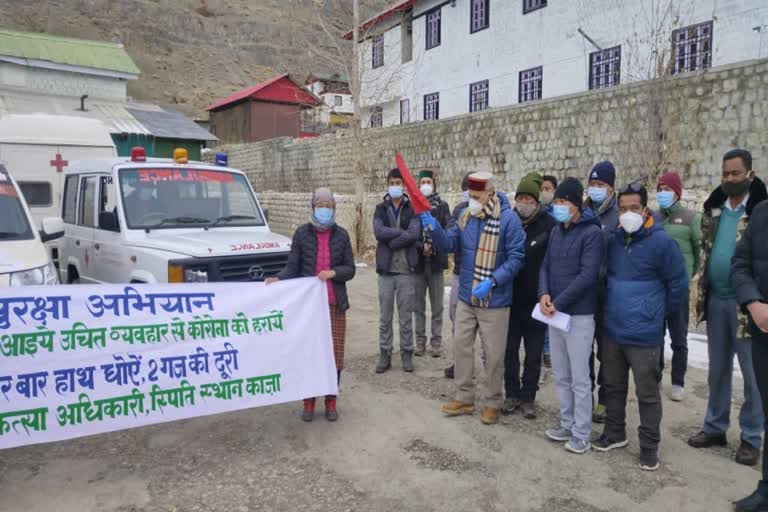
(82,233)
(110,263)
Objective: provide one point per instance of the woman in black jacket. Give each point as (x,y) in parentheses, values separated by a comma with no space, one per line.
(322,248)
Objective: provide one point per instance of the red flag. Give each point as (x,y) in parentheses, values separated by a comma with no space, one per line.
(419,202)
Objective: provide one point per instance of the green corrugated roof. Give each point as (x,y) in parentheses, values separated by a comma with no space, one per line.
(65,50)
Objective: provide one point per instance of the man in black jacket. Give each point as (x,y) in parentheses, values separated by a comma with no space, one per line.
(397,231)
(749,278)
(521,394)
(429,277)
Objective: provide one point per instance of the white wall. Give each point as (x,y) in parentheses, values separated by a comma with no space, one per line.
(61,82)
(549,38)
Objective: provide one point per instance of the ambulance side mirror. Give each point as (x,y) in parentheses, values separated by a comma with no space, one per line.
(53,228)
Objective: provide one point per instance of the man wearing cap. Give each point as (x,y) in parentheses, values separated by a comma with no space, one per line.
(684,226)
(429,272)
(568,283)
(646,282)
(602,201)
(397,233)
(521,393)
(491,241)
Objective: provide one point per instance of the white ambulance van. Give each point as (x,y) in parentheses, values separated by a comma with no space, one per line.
(23,257)
(142,220)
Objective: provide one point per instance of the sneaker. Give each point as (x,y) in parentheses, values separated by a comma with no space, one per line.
(407,359)
(649,460)
(421,348)
(449,372)
(436,351)
(747,454)
(490,416)
(755,502)
(559,434)
(606,444)
(598,414)
(677,393)
(308,414)
(578,446)
(529,410)
(704,440)
(547,361)
(385,361)
(330,409)
(457,408)
(509,406)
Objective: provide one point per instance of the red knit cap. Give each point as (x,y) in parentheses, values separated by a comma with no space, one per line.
(672,180)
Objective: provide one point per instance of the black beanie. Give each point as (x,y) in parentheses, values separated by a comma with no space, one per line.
(394,173)
(572,191)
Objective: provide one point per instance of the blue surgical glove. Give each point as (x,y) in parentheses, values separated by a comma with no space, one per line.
(428,221)
(482,289)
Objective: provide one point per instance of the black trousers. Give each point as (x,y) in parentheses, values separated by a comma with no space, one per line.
(598,382)
(760,364)
(522,326)
(677,324)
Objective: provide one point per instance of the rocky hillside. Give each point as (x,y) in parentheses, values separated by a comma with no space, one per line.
(192,52)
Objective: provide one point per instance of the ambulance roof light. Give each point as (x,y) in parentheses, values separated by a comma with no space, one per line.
(180,156)
(222,159)
(138,154)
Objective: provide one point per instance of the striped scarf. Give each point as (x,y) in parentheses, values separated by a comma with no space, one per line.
(485,258)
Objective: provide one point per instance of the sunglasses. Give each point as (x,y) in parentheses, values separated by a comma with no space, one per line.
(634,187)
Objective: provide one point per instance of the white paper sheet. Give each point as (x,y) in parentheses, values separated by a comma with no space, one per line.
(558,320)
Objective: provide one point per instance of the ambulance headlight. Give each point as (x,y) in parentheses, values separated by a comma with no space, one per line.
(195,276)
(45,275)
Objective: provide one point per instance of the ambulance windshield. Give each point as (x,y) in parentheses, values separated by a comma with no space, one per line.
(14,224)
(158,198)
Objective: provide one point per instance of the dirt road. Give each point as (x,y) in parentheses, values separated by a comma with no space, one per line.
(390,450)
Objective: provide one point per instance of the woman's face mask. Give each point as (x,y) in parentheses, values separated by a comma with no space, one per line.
(324,215)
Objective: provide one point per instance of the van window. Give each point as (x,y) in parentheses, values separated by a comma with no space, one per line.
(69,210)
(88,201)
(107,197)
(37,193)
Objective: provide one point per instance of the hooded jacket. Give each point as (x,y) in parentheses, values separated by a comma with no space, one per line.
(647,280)
(570,272)
(509,256)
(390,237)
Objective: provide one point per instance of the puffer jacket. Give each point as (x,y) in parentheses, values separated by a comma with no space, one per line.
(571,270)
(455,220)
(749,267)
(647,280)
(509,257)
(302,261)
(392,238)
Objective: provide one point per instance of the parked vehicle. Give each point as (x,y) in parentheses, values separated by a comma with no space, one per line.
(23,257)
(139,220)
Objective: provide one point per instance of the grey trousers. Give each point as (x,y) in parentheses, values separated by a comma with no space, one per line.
(432,283)
(396,288)
(493,324)
(570,352)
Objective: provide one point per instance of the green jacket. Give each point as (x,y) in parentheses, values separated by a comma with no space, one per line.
(684,226)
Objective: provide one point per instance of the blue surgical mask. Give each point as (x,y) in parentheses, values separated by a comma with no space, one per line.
(665,198)
(324,215)
(395,192)
(598,194)
(561,212)
(466,196)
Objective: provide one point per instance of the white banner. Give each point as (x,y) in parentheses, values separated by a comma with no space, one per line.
(81,360)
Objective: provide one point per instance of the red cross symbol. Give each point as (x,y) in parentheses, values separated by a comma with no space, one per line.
(59,164)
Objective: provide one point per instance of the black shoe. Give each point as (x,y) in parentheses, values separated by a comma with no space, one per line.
(704,440)
(385,362)
(407,359)
(510,405)
(649,459)
(606,444)
(449,372)
(747,454)
(755,502)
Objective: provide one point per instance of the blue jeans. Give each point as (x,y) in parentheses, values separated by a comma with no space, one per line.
(723,343)
(546,343)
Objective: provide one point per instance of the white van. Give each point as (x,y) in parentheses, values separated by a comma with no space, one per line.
(23,257)
(140,220)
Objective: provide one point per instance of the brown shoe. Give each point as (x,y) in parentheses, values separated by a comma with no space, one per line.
(490,416)
(747,454)
(456,408)
(529,410)
(704,440)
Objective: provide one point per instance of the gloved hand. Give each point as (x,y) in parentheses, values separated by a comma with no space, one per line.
(482,289)
(428,221)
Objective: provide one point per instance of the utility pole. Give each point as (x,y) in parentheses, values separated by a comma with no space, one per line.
(357,149)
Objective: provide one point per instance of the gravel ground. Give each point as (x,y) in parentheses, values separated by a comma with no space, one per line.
(390,450)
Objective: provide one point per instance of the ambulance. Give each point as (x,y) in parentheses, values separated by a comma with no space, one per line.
(24,259)
(149,220)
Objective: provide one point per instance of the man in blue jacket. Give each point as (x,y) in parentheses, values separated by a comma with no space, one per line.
(646,281)
(491,241)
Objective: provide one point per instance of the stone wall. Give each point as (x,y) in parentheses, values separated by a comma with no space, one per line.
(682,123)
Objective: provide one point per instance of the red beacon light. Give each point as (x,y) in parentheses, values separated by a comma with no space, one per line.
(138,154)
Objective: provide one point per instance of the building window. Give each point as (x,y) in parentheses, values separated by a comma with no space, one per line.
(405,111)
(532,5)
(433,28)
(479,15)
(377,117)
(692,48)
(432,106)
(338,101)
(378,51)
(478,96)
(530,85)
(605,68)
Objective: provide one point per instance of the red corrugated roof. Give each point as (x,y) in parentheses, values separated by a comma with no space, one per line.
(398,7)
(281,89)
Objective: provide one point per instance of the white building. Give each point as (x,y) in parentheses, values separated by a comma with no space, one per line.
(433,59)
(334,90)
